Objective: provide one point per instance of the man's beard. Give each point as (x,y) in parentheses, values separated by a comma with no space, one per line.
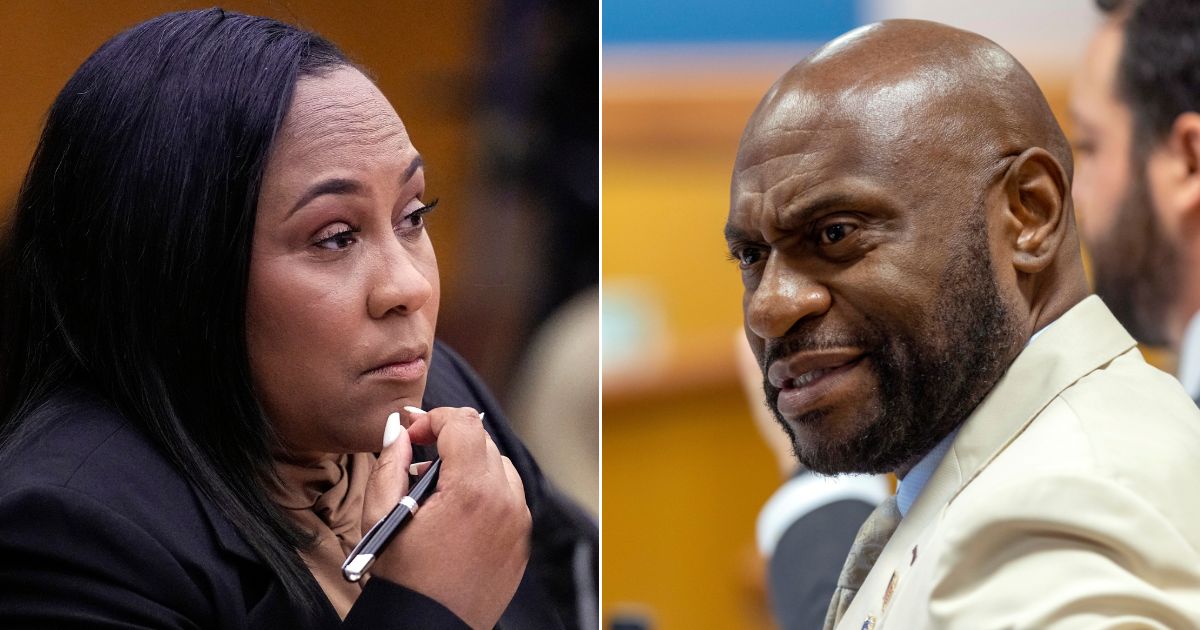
(929,382)
(1136,268)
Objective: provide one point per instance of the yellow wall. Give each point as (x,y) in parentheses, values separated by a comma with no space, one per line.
(684,470)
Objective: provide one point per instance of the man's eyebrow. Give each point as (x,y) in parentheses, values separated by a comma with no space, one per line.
(345,186)
(802,213)
(735,234)
(798,214)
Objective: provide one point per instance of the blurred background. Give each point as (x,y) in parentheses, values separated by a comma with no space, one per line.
(685,471)
(501,99)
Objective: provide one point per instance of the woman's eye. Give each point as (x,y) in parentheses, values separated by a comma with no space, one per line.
(416,218)
(413,220)
(835,232)
(337,237)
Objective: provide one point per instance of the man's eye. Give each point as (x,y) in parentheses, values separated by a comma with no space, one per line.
(833,233)
(746,256)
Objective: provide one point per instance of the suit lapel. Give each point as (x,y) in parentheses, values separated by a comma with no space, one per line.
(227,537)
(1082,340)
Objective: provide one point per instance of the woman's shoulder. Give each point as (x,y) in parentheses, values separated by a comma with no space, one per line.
(90,504)
(76,441)
(78,454)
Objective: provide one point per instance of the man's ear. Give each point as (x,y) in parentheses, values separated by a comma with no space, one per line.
(1173,174)
(1037,193)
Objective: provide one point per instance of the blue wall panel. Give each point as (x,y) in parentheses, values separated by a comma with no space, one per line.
(701,21)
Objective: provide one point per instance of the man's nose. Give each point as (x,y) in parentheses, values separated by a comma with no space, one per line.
(400,282)
(784,296)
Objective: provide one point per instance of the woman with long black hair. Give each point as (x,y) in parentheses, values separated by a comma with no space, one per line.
(217,290)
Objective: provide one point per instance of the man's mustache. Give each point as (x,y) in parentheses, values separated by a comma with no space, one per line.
(776,349)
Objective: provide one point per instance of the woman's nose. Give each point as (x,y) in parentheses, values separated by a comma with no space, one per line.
(400,283)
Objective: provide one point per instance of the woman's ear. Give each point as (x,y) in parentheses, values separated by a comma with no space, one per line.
(1037,193)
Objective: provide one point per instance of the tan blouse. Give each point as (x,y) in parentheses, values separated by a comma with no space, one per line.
(325,498)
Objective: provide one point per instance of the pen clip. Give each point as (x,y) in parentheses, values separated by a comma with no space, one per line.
(356,566)
(357,562)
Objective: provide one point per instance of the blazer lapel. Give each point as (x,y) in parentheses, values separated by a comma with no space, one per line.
(1085,338)
(1082,340)
(227,537)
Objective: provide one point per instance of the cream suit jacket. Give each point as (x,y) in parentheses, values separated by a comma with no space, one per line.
(1069,499)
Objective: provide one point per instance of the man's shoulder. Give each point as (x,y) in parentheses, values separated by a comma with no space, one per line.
(1126,422)
(1096,485)
(1116,447)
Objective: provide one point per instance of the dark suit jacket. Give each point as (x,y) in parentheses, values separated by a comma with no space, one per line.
(804,568)
(99,529)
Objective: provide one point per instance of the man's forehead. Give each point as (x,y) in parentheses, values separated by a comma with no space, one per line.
(784,126)
(887,115)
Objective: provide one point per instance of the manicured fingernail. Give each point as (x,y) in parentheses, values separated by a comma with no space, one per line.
(416,410)
(415,468)
(391,432)
(481,414)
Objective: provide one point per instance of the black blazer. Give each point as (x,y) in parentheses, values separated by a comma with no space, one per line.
(98,529)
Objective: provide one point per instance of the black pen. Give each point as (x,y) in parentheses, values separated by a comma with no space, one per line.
(381,533)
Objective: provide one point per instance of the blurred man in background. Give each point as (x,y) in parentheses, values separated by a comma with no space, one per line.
(915,296)
(1134,106)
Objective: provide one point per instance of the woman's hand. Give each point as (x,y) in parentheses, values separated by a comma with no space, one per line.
(468,544)
(388,482)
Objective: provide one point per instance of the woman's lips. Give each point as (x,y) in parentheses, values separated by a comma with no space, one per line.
(407,371)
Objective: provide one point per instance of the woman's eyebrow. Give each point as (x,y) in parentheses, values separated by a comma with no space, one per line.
(346,186)
(332,186)
(412,168)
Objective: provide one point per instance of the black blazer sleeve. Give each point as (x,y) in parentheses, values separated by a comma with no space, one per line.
(385,604)
(98,530)
(69,562)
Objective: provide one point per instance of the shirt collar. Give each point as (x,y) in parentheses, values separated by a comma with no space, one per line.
(1189,358)
(909,488)
(914,482)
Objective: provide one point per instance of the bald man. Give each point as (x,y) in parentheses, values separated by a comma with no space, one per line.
(914,294)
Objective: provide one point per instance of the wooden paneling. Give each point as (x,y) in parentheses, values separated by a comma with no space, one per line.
(424,56)
(684,469)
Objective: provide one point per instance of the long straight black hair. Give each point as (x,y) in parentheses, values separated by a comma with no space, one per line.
(125,265)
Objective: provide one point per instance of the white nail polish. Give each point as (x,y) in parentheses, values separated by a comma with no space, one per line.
(415,410)
(481,415)
(392,430)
